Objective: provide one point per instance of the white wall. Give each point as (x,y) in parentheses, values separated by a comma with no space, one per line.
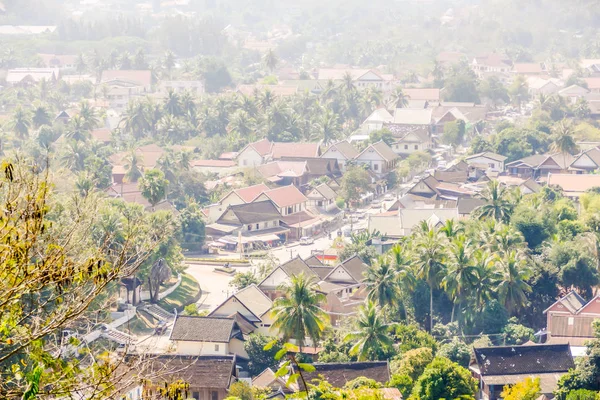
(276,278)
(494,165)
(201,348)
(249,158)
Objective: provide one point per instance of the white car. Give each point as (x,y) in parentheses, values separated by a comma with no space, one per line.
(304,240)
(388,196)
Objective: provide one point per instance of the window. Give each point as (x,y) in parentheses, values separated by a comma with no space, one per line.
(216,347)
(257,226)
(290,210)
(571,321)
(196,395)
(245,162)
(320,203)
(492,165)
(405,147)
(249,227)
(376,167)
(214,395)
(416,147)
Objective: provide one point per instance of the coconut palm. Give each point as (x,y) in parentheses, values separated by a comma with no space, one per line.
(451,228)
(372,334)
(20,123)
(429,259)
(88,115)
(76,130)
(460,273)
(41,116)
(270,60)
(133,167)
(327,128)
(153,186)
(563,141)
(172,104)
(168,62)
(382,283)
(298,315)
(513,285)
(398,99)
(73,156)
(496,204)
(348,82)
(135,119)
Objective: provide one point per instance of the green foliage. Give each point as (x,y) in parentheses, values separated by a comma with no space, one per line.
(153,186)
(413,363)
(454,132)
(411,337)
(355,182)
(461,85)
(403,383)
(371,338)
(515,333)
(534,227)
(382,134)
(456,351)
(244,279)
(362,382)
(528,389)
(260,359)
(583,394)
(444,379)
(241,390)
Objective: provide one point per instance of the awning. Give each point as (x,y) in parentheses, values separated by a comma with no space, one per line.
(216,244)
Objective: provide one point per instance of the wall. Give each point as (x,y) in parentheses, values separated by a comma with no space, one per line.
(232,306)
(249,158)
(200,348)
(498,166)
(276,278)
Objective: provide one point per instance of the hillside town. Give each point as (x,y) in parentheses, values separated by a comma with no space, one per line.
(212,200)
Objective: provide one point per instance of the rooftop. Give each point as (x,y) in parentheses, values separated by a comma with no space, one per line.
(337,374)
(535,359)
(203,329)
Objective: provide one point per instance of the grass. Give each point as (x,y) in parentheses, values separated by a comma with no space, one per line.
(188,292)
(226,270)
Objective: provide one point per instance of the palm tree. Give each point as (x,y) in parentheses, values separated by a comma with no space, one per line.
(76,129)
(41,116)
(348,82)
(513,285)
(88,115)
(270,60)
(451,228)
(135,119)
(563,141)
(429,260)
(298,315)
(133,167)
(80,64)
(173,104)
(20,123)
(496,204)
(241,123)
(381,283)
(73,156)
(372,334)
(169,62)
(153,186)
(460,274)
(398,99)
(327,128)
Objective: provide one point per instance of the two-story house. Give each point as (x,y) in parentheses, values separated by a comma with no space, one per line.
(236,196)
(322,197)
(379,157)
(343,152)
(586,162)
(207,336)
(254,154)
(570,319)
(414,139)
(488,160)
(288,199)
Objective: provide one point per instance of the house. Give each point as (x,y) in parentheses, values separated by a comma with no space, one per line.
(446,112)
(338,374)
(263,151)
(102,135)
(538,85)
(411,218)
(271,285)
(411,116)
(207,336)
(426,94)
(344,152)
(195,88)
(208,377)
(322,197)
(267,379)
(128,78)
(67,61)
(491,63)
(254,154)
(29,76)
(573,93)
(362,78)
(570,320)
(280,150)
(593,84)
(285,172)
(539,165)
(529,69)
(376,121)
(493,162)
(236,196)
(496,367)
(379,157)
(287,199)
(147,155)
(250,308)
(412,140)
(574,185)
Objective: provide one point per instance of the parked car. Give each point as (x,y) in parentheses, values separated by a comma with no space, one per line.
(304,240)
(388,196)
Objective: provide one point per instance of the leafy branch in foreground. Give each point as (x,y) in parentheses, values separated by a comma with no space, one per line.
(291,367)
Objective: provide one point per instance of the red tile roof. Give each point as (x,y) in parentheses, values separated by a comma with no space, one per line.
(593,83)
(296,150)
(286,196)
(248,194)
(263,147)
(102,135)
(142,77)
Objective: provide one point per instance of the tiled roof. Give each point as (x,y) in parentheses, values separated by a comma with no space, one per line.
(450,176)
(142,77)
(203,329)
(593,83)
(430,94)
(356,268)
(322,271)
(346,149)
(286,196)
(248,194)
(524,359)
(296,266)
(254,300)
(281,149)
(263,147)
(101,134)
(326,191)
(257,211)
(409,116)
(313,261)
(383,150)
(572,302)
(282,168)
(337,374)
(574,183)
(468,205)
(210,372)
(488,154)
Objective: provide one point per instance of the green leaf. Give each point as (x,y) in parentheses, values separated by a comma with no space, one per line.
(293,379)
(280,354)
(290,347)
(283,370)
(307,367)
(270,345)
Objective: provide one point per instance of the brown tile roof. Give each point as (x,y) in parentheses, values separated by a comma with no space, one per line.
(313,261)
(383,150)
(488,154)
(326,191)
(338,374)
(262,147)
(429,94)
(355,267)
(282,168)
(451,176)
(296,266)
(524,359)
(321,270)
(346,149)
(102,135)
(593,83)
(258,211)
(254,300)
(468,205)
(248,194)
(281,149)
(572,302)
(211,372)
(203,329)
(286,196)
(141,77)
(574,183)
(214,163)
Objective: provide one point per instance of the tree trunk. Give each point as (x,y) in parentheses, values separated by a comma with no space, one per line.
(453,309)
(152,300)
(430,308)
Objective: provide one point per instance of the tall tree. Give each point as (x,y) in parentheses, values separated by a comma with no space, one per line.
(398,99)
(270,60)
(372,337)
(381,283)
(20,123)
(41,116)
(513,286)
(153,186)
(298,314)
(460,273)
(133,166)
(496,204)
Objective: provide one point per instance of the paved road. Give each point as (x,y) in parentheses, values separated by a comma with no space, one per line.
(215,286)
